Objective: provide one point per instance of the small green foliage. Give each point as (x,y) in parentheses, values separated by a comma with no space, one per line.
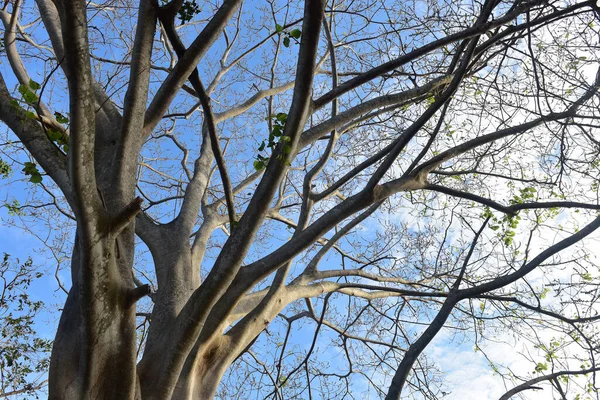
(54,135)
(260,162)
(31,169)
(14,208)
(512,221)
(36,178)
(508,222)
(487,213)
(525,194)
(586,276)
(28,95)
(59,138)
(276,136)
(187,11)
(24,355)
(34,85)
(61,118)
(294,35)
(283,380)
(281,117)
(5,169)
(540,367)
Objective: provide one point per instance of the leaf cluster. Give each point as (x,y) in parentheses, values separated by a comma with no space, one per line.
(294,35)
(276,136)
(187,11)
(30,169)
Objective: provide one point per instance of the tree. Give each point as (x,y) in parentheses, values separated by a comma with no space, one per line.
(24,356)
(467,130)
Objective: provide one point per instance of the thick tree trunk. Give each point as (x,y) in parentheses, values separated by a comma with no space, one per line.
(109,338)
(94,353)
(63,380)
(176,282)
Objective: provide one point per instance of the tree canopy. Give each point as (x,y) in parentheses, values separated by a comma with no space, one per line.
(266,199)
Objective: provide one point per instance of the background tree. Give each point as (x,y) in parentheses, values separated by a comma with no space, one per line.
(24,355)
(373,173)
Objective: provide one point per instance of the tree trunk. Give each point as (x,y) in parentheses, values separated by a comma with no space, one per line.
(94,357)
(63,382)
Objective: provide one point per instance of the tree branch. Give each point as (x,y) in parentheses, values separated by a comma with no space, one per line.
(529,384)
(186,65)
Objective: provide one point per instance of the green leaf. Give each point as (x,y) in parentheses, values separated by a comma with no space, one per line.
(35,178)
(54,135)
(278,28)
(61,118)
(487,213)
(541,367)
(23,89)
(30,97)
(259,164)
(276,131)
(286,42)
(34,85)
(30,168)
(296,33)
